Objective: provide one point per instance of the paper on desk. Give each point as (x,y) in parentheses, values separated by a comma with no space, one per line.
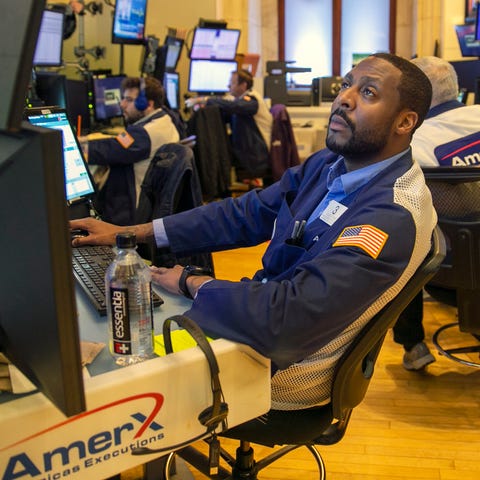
(89,351)
(181,340)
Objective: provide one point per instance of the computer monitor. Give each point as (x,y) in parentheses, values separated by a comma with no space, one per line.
(79,186)
(107,94)
(19,25)
(48,50)
(78,101)
(171,84)
(467,71)
(469,46)
(214,44)
(38,318)
(173,50)
(128,25)
(209,77)
(51,88)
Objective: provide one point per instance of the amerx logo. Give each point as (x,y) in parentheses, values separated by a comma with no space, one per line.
(90,438)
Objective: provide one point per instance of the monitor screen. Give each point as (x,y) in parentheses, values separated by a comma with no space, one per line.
(78,182)
(51,88)
(214,44)
(129,18)
(174,49)
(48,51)
(469,46)
(107,94)
(171,84)
(38,318)
(210,76)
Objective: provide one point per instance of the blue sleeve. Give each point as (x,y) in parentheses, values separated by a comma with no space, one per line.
(247,106)
(115,151)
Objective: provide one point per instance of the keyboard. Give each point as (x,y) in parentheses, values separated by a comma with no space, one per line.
(89,266)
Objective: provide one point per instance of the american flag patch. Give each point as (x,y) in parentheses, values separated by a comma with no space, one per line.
(125,139)
(367,237)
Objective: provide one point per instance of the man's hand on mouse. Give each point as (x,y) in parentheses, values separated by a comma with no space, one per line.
(99,233)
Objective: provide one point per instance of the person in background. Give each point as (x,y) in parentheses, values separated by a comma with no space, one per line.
(250,122)
(449,136)
(127,156)
(354,221)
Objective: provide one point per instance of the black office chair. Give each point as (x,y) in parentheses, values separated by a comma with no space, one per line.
(458,281)
(324,425)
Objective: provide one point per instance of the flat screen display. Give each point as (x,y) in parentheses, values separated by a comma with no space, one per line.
(174,49)
(107,95)
(171,83)
(129,22)
(214,44)
(48,50)
(469,46)
(210,76)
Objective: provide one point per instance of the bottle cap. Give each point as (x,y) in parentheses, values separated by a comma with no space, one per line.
(126,240)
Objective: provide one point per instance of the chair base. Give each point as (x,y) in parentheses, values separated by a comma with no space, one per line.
(241,467)
(453,353)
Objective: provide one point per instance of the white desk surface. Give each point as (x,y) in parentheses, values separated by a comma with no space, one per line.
(153,404)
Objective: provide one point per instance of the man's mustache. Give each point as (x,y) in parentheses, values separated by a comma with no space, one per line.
(341,113)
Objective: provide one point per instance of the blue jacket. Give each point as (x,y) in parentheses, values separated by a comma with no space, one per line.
(306,294)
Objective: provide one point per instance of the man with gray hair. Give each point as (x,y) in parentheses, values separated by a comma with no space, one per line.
(449,136)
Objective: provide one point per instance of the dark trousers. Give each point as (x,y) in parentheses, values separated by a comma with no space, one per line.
(408,331)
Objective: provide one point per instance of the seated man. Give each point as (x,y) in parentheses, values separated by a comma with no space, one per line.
(449,137)
(128,154)
(250,123)
(346,230)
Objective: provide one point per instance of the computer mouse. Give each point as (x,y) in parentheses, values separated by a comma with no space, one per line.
(78,232)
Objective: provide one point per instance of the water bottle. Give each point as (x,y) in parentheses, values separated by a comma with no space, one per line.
(128,288)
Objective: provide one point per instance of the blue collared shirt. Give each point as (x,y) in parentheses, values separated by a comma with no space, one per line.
(341,183)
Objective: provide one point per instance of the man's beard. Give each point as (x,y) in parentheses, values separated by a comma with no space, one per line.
(365,141)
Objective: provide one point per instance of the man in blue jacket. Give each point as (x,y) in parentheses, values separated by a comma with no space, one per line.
(347,229)
(128,155)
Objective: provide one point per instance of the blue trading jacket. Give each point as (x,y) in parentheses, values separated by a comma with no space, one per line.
(306,294)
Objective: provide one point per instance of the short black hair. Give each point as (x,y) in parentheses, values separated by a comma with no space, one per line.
(153,89)
(414,87)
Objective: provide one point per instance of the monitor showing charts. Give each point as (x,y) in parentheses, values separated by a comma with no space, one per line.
(210,76)
(78,181)
(214,44)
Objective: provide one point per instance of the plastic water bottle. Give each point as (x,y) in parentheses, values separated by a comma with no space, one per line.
(128,288)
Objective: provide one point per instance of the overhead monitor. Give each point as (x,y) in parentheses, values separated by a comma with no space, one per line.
(48,50)
(214,44)
(107,94)
(38,317)
(171,84)
(469,46)
(129,19)
(210,76)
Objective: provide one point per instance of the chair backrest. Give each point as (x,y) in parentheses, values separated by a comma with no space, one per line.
(283,147)
(456,195)
(171,185)
(355,369)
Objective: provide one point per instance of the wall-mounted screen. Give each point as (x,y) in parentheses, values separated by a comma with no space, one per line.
(129,19)
(469,46)
(210,76)
(214,44)
(48,50)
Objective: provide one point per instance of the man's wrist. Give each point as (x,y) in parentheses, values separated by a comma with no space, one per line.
(192,278)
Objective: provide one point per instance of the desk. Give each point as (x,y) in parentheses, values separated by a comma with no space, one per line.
(153,404)
(309,127)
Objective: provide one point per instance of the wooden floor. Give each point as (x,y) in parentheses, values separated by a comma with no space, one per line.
(410,426)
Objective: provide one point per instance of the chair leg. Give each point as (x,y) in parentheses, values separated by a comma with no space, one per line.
(452,353)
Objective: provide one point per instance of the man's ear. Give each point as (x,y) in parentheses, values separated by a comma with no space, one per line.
(407,121)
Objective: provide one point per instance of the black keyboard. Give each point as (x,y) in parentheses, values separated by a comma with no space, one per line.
(89,266)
